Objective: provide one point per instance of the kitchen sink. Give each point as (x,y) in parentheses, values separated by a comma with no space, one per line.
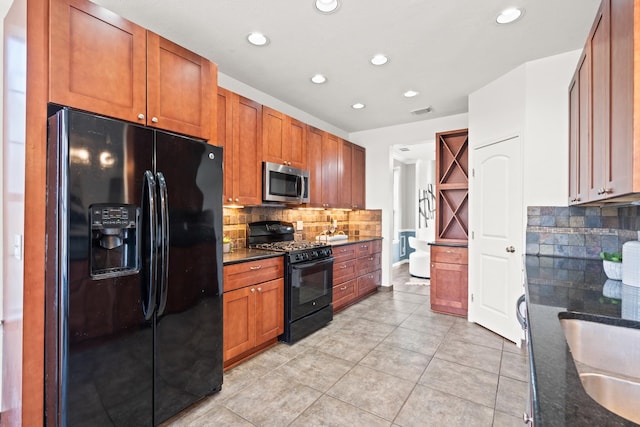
(608,361)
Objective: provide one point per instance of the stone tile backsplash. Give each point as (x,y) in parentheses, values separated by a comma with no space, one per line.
(579,232)
(360,223)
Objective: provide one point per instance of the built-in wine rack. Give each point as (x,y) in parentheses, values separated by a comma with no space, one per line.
(452,186)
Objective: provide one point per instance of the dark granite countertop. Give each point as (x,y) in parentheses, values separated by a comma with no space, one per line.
(245,254)
(556,285)
(352,240)
(450,245)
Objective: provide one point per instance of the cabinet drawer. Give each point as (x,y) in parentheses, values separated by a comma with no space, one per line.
(344,271)
(251,272)
(368,264)
(376,246)
(343,294)
(344,252)
(369,282)
(449,254)
(364,248)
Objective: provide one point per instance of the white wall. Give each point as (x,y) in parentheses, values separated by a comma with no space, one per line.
(378,143)
(547,129)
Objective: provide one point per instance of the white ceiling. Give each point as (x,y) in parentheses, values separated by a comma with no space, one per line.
(445,49)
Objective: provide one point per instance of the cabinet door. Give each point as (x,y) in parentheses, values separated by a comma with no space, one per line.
(314,163)
(269,310)
(330,189)
(358,177)
(225,140)
(239,314)
(344,175)
(579,121)
(599,51)
(622,143)
(247,151)
(273,139)
(296,141)
(97,61)
(180,88)
(449,291)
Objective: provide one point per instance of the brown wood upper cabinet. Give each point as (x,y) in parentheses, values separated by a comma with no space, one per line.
(602,113)
(240,133)
(322,161)
(102,63)
(352,176)
(284,139)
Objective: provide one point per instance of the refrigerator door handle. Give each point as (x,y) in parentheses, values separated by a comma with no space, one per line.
(164,242)
(149,303)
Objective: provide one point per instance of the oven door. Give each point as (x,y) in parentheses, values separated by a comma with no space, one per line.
(310,287)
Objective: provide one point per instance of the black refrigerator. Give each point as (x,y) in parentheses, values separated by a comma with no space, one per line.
(133,285)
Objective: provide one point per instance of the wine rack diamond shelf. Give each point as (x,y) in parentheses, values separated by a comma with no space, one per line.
(452,186)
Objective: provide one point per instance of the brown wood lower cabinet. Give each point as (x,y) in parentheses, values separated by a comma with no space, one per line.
(449,279)
(356,272)
(253,311)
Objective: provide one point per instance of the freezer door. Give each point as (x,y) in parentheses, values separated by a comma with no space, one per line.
(189,325)
(104,344)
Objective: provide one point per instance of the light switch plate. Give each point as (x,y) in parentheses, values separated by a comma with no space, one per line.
(299,225)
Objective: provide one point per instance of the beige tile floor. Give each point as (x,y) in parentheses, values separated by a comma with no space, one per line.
(386,361)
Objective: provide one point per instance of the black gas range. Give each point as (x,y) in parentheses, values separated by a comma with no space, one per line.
(308,276)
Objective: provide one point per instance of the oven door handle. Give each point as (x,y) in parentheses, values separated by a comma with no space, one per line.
(313,263)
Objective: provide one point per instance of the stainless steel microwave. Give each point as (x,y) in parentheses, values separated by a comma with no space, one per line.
(281,183)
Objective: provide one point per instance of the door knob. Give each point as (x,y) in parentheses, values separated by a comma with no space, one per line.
(511,249)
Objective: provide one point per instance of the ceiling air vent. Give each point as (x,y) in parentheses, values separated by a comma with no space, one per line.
(424,110)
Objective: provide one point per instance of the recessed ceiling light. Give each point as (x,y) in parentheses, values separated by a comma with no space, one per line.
(318,79)
(509,15)
(257,39)
(326,6)
(358,106)
(379,59)
(410,93)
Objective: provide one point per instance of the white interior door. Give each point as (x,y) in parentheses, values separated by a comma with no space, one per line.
(495,279)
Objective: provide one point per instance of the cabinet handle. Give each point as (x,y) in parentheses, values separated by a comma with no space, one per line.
(141,116)
(527,419)
(604,191)
(255,267)
(511,249)
(154,119)
(344,288)
(343,267)
(252,290)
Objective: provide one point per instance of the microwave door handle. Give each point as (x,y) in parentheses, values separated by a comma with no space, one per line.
(299,182)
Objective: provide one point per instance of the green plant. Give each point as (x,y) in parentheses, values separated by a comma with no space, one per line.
(611,256)
(226,239)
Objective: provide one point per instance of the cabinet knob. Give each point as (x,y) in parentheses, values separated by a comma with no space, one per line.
(229,199)
(511,249)
(140,116)
(259,289)
(154,120)
(237,200)
(253,290)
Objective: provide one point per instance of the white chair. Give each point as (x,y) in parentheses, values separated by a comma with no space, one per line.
(419,261)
